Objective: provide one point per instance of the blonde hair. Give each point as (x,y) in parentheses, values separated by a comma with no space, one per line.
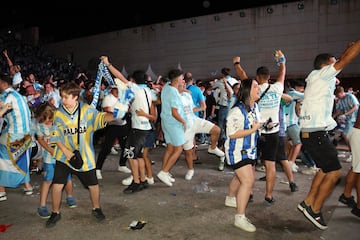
(45,112)
(339,89)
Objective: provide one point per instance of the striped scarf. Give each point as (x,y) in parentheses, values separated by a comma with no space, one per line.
(101,72)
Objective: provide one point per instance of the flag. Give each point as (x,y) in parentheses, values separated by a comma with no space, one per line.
(14,161)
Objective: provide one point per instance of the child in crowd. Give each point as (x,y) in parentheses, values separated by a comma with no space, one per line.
(73,129)
(45,117)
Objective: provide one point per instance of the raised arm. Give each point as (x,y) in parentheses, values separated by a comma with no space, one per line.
(114,71)
(228,89)
(280,60)
(10,63)
(239,70)
(351,52)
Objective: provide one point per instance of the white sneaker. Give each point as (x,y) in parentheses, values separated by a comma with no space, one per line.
(230,201)
(309,171)
(171,177)
(221,166)
(28,191)
(294,167)
(98,174)
(261,168)
(113,151)
(189,174)
(127,181)
(244,223)
(349,159)
(150,180)
(164,177)
(124,169)
(3,196)
(216,151)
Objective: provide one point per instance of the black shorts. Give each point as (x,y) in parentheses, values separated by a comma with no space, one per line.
(280,153)
(135,143)
(269,146)
(62,172)
(321,149)
(243,163)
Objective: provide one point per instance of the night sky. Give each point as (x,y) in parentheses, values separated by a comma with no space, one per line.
(61,20)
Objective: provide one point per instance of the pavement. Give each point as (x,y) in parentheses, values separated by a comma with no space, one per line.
(187,210)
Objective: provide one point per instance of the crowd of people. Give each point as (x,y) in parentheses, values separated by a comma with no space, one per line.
(248,124)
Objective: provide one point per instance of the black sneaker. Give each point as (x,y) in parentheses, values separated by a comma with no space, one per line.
(54,217)
(269,201)
(251,198)
(144,184)
(262,178)
(98,214)
(302,206)
(316,218)
(133,187)
(349,201)
(356,211)
(293,187)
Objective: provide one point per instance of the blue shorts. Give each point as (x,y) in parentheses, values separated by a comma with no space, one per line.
(150,139)
(48,172)
(348,127)
(293,133)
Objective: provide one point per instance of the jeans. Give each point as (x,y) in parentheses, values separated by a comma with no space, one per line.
(222,115)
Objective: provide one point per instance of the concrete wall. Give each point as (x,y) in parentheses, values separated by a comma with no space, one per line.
(203,45)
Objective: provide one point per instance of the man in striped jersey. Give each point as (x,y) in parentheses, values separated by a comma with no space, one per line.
(15,140)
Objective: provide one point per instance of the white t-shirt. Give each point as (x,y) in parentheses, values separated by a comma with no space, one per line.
(109,101)
(317,106)
(188,105)
(231,81)
(140,122)
(269,104)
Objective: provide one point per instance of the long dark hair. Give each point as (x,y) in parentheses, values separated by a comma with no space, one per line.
(243,96)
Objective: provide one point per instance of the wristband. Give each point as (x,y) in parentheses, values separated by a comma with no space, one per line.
(279,60)
(235,63)
(109,65)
